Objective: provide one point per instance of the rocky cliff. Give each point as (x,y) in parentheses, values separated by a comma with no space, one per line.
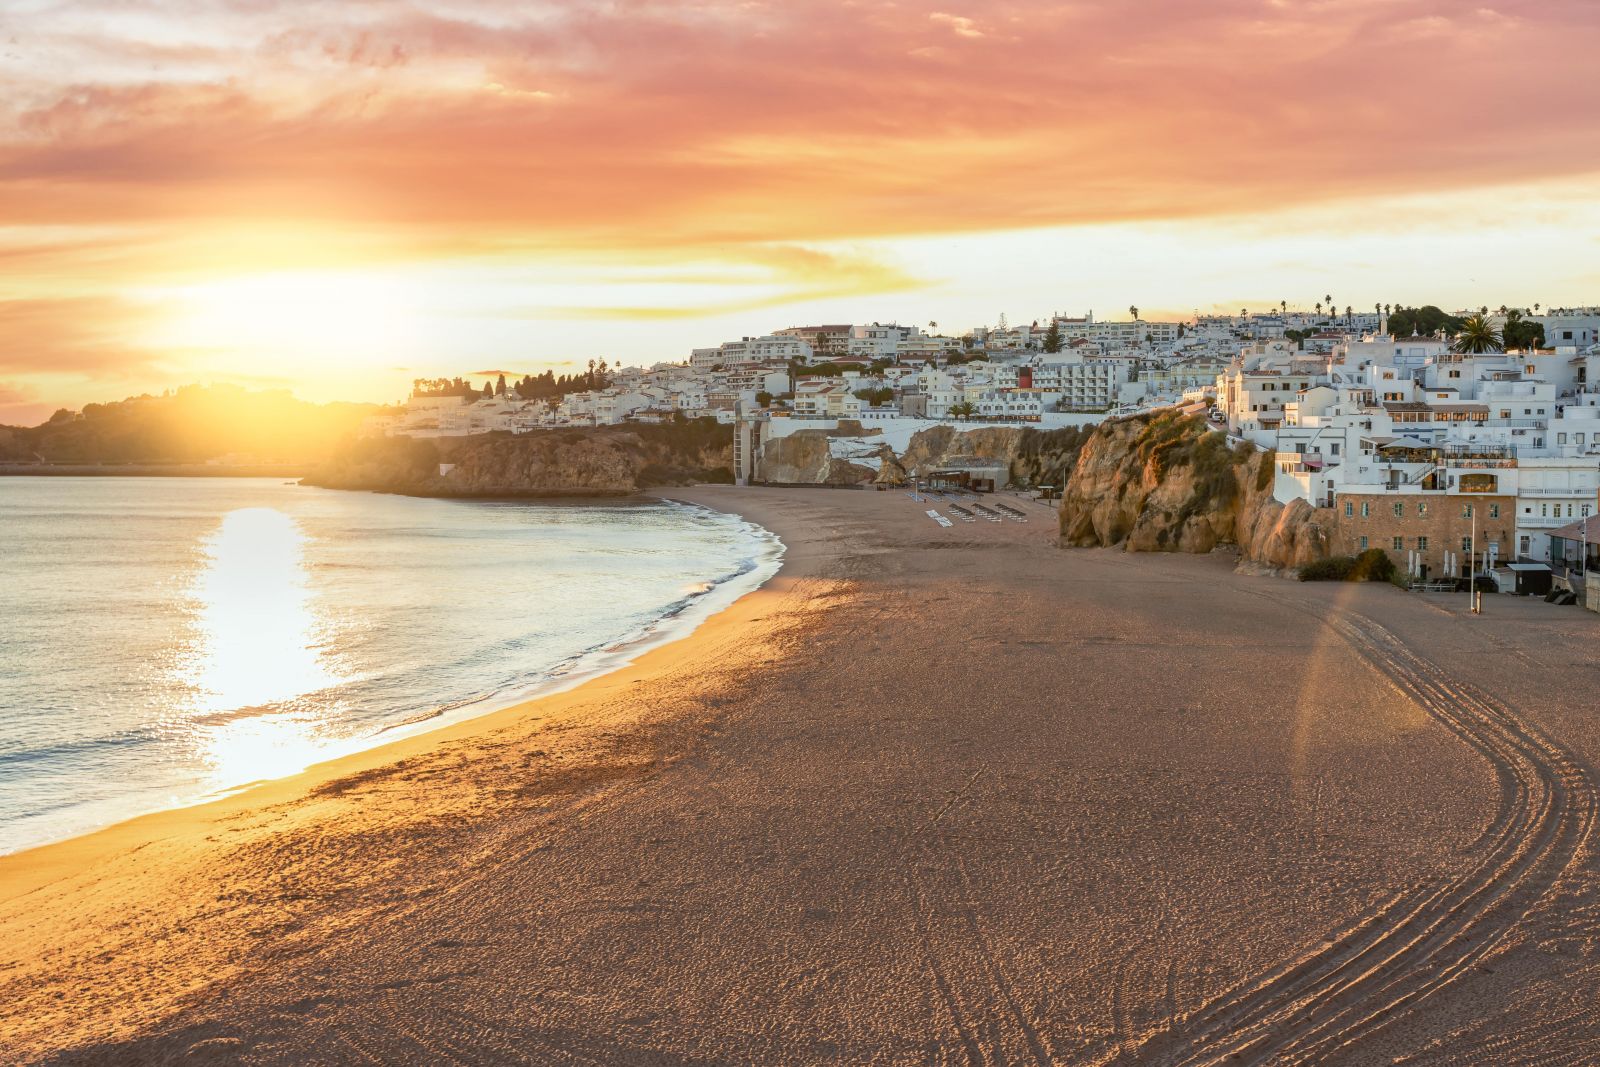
(603,461)
(1033,457)
(805,458)
(1164,483)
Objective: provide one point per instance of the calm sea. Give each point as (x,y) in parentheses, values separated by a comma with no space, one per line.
(165,639)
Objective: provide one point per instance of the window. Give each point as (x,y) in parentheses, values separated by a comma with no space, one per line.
(1422,508)
(1366,509)
(1399,544)
(1363,544)
(1466,511)
(1494,511)
(1349,509)
(1399,510)
(1335,450)
(1466,544)
(1422,544)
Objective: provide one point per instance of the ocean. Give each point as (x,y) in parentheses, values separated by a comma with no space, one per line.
(166,640)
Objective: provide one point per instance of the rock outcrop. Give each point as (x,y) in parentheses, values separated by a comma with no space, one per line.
(1032,456)
(1164,483)
(603,461)
(890,470)
(805,457)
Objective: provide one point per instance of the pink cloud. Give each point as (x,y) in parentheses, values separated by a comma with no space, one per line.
(773,122)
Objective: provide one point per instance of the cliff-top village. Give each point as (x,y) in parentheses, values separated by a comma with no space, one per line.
(1478,440)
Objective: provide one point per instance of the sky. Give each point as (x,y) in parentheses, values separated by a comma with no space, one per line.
(338,196)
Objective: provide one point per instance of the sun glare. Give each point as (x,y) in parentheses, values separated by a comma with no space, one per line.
(257,648)
(349,316)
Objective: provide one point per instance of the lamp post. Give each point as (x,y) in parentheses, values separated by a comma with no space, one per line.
(1472,565)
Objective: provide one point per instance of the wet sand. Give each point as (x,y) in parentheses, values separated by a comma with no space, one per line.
(931,796)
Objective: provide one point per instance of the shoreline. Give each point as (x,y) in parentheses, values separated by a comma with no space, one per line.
(374,749)
(932,793)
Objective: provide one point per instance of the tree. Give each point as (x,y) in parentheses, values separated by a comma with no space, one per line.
(1283,306)
(1319,307)
(1052,337)
(1133,309)
(488,390)
(1422,322)
(764,398)
(963,410)
(1476,335)
(500,386)
(1522,333)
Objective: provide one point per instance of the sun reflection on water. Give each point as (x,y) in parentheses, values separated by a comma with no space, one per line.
(256,651)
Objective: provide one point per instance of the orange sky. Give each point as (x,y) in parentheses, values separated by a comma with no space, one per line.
(343,195)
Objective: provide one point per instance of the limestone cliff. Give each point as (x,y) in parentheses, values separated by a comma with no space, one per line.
(805,458)
(1032,456)
(603,461)
(1164,483)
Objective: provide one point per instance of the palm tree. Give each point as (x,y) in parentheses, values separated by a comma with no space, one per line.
(1536,309)
(962,410)
(1349,314)
(1477,335)
(1283,306)
(1133,309)
(1319,307)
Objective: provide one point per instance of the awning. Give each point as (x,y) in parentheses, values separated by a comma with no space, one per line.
(1526,566)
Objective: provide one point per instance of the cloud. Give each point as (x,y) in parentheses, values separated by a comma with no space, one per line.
(72,335)
(651,122)
(960,25)
(160,141)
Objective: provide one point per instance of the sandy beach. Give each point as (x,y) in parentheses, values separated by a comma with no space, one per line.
(933,795)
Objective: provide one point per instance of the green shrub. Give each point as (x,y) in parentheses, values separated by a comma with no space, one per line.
(1332,569)
(1373,565)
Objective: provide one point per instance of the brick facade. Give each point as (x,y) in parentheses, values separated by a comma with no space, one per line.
(1441,520)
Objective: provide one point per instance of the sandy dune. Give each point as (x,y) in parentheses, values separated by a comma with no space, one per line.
(936,795)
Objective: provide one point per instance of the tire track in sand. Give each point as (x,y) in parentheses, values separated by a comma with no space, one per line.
(1364,979)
